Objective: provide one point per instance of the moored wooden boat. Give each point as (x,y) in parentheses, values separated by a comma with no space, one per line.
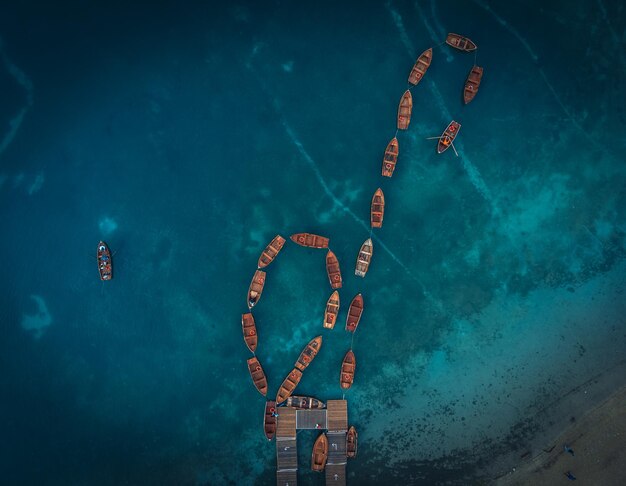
(332,268)
(308,353)
(364,258)
(105,264)
(421,66)
(310,240)
(332,309)
(391,157)
(348,367)
(404,110)
(354,313)
(320,453)
(271,250)
(269,420)
(256,288)
(448,136)
(258,375)
(305,402)
(377,211)
(459,42)
(249,331)
(472,84)
(288,385)
(351,442)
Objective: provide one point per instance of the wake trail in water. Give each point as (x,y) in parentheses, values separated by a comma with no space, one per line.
(472,172)
(336,201)
(442,34)
(24,81)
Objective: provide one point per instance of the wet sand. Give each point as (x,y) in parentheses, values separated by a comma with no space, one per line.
(598,440)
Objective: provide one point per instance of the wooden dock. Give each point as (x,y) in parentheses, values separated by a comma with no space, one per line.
(333,420)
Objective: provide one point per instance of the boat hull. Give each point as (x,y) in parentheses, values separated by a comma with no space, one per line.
(308,353)
(288,385)
(472,84)
(351,442)
(390,159)
(348,368)
(354,313)
(305,403)
(377,210)
(256,288)
(320,453)
(448,136)
(248,327)
(333,270)
(310,240)
(271,251)
(332,309)
(364,258)
(269,420)
(404,110)
(258,375)
(421,66)
(105,263)
(461,43)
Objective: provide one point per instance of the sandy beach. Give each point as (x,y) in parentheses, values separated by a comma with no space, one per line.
(599,454)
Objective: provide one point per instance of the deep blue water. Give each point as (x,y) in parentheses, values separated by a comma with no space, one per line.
(187,136)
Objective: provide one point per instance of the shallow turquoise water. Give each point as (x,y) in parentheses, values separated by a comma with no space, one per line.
(187,137)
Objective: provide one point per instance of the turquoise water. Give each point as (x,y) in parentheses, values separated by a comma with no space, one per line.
(187,137)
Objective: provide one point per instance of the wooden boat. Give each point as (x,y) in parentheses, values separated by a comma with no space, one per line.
(348,367)
(332,309)
(308,353)
(459,42)
(364,258)
(421,66)
(249,331)
(310,240)
(351,442)
(288,385)
(258,375)
(305,402)
(269,420)
(472,84)
(404,110)
(448,136)
(105,264)
(391,157)
(256,288)
(354,313)
(320,453)
(271,250)
(332,268)
(377,211)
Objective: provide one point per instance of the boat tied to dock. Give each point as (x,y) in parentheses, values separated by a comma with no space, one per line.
(354,313)
(390,159)
(308,353)
(404,110)
(306,403)
(351,442)
(320,453)
(248,327)
(271,251)
(269,419)
(288,385)
(333,270)
(258,375)
(377,210)
(348,367)
(256,288)
(310,240)
(364,258)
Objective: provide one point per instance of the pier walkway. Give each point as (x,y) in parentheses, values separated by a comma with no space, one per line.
(333,420)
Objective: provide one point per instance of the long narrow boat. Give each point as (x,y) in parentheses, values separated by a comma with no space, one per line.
(391,157)
(271,250)
(256,288)
(308,353)
(354,313)
(364,258)
(421,66)
(448,136)
(348,367)
(310,240)
(332,309)
(305,402)
(320,453)
(377,211)
(269,420)
(351,442)
(288,385)
(258,375)
(105,264)
(472,84)
(404,110)
(461,43)
(333,271)
(249,331)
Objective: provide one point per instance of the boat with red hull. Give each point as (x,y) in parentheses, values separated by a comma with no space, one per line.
(333,270)
(404,110)
(332,309)
(390,159)
(472,84)
(348,367)
(421,66)
(310,240)
(258,375)
(249,331)
(354,313)
(377,210)
(461,43)
(269,419)
(308,353)
(271,251)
